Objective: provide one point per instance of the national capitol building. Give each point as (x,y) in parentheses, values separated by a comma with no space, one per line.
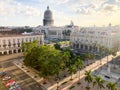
(54,32)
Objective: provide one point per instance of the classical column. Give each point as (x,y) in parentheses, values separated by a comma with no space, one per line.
(98,49)
(20,50)
(7,51)
(88,47)
(83,47)
(2,52)
(16,50)
(79,46)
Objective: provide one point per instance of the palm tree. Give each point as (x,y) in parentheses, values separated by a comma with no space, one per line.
(108,51)
(99,81)
(88,78)
(87,56)
(114,53)
(112,86)
(95,45)
(72,69)
(102,48)
(79,64)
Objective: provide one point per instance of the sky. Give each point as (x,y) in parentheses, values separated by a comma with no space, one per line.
(81,12)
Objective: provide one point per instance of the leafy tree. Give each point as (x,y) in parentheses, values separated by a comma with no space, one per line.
(99,81)
(28,46)
(31,59)
(57,46)
(48,60)
(112,86)
(43,58)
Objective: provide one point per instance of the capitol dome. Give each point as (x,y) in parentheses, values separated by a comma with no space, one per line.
(48,19)
(48,14)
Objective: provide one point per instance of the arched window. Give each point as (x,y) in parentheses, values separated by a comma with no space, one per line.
(9,43)
(4,43)
(14,42)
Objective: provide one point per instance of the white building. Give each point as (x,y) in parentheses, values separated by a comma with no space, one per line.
(12,43)
(5,29)
(53,32)
(87,38)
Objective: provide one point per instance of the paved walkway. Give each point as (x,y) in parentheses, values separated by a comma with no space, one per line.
(91,67)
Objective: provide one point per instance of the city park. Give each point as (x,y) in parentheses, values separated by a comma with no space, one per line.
(55,63)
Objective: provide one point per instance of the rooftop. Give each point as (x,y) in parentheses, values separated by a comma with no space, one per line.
(17,35)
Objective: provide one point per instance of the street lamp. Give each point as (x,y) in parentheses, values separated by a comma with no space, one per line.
(57,83)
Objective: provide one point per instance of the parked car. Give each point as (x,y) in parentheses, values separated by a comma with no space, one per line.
(6,77)
(15,87)
(2,74)
(10,83)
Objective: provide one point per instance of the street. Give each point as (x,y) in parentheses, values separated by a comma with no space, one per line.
(21,78)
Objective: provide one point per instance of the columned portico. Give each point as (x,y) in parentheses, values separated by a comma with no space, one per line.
(86,47)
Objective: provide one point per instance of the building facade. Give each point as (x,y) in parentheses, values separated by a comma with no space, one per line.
(54,32)
(2,29)
(12,43)
(92,38)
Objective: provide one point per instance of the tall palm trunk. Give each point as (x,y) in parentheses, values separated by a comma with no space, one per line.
(100,58)
(71,76)
(107,60)
(57,85)
(79,77)
(79,74)
(64,75)
(98,88)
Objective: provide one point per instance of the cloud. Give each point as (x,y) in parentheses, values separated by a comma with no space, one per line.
(87,9)
(117,0)
(110,8)
(100,9)
(11,7)
(60,1)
